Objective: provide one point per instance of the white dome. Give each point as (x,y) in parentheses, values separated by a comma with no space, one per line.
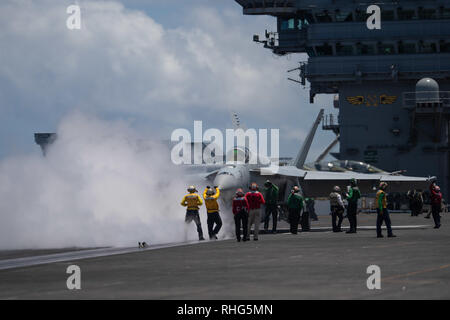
(427,91)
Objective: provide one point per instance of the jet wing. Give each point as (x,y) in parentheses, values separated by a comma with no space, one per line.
(289,171)
(321,183)
(292,171)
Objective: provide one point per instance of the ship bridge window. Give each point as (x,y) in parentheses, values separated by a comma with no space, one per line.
(406,14)
(445,13)
(344,15)
(323,17)
(408,48)
(386,48)
(324,50)
(361,15)
(344,49)
(310,51)
(445,46)
(427,13)
(427,47)
(302,24)
(365,49)
(387,15)
(288,24)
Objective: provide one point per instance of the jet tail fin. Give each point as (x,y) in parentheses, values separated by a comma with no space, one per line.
(328,149)
(303,153)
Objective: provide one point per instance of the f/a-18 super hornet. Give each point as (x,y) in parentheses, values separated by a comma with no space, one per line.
(238,172)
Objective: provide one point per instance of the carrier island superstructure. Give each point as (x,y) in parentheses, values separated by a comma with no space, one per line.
(391,85)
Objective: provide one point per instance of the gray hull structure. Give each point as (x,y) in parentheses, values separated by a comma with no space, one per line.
(373,74)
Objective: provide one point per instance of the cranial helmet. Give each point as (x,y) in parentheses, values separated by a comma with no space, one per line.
(191,189)
(383,185)
(239,192)
(337,189)
(254,186)
(210,192)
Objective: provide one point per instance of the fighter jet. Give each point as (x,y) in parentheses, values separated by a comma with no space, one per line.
(348,165)
(239,173)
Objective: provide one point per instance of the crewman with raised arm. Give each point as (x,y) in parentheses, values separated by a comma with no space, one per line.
(212,208)
(436,204)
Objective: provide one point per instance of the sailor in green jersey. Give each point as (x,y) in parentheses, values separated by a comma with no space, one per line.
(295,204)
(382,211)
(353,194)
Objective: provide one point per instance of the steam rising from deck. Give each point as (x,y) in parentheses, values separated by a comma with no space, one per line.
(101,184)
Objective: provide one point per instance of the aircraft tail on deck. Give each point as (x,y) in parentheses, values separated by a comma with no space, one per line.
(303,153)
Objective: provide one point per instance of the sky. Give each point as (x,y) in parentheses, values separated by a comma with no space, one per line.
(157,65)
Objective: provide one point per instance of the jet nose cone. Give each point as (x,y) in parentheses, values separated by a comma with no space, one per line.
(226,182)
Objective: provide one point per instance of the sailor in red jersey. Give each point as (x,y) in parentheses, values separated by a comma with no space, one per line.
(255,200)
(436,204)
(240,211)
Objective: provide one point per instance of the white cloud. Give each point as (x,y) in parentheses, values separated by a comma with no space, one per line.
(123,63)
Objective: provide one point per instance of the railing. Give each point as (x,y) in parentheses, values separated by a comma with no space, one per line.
(427,100)
(330,122)
(346,65)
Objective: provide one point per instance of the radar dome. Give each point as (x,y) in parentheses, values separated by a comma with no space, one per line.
(427,91)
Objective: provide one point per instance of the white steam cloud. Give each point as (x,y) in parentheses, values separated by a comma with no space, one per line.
(101,184)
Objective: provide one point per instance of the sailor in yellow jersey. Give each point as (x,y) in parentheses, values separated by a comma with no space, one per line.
(193,201)
(212,208)
(382,211)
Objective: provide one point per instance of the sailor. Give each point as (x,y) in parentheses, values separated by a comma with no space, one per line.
(310,204)
(255,200)
(212,208)
(240,212)
(337,208)
(416,203)
(305,217)
(382,211)
(436,204)
(295,205)
(193,201)
(271,198)
(353,194)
